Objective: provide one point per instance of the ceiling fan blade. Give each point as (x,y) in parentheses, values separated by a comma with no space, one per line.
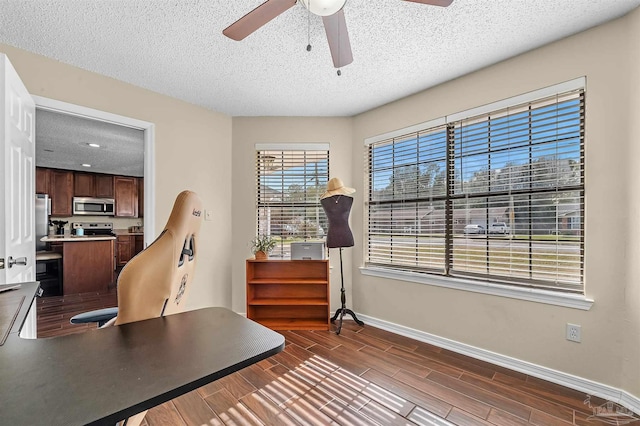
(336,28)
(443,3)
(257,18)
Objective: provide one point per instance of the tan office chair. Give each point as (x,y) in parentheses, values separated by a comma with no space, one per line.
(157,281)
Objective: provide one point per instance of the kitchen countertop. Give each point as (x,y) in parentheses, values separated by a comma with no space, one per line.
(75,238)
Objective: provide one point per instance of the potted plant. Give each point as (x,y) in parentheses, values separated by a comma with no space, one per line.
(261,245)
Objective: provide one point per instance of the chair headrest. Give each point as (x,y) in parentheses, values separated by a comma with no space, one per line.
(186,215)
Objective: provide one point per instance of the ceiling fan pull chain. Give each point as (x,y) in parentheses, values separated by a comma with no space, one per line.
(339,43)
(309,27)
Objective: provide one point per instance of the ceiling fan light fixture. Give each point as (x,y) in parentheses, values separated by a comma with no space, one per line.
(323,7)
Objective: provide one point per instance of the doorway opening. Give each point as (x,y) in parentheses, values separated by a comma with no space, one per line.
(147,128)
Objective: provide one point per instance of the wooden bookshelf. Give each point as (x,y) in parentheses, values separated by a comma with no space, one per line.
(288,294)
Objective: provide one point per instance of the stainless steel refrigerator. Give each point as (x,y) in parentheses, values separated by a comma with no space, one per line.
(43,209)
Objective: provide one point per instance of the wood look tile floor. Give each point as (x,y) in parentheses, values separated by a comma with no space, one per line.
(364,376)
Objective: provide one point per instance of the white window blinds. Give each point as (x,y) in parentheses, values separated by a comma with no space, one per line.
(290,181)
(498,197)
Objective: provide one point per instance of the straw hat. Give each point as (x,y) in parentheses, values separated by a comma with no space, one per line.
(336,187)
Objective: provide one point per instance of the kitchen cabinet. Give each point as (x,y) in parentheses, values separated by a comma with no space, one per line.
(84,185)
(139,244)
(104,186)
(92,185)
(127,246)
(140,197)
(61,192)
(123,249)
(63,185)
(126,196)
(42,180)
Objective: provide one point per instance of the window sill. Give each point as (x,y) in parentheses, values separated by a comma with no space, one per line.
(574,301)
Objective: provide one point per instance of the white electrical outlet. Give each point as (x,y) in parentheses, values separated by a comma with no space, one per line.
(574,333)
(208,215)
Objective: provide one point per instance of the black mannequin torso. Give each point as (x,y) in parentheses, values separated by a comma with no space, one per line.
(337,208)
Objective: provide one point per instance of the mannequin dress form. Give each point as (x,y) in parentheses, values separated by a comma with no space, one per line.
(337,207)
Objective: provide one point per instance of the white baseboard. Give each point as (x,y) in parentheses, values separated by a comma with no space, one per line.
(587,386)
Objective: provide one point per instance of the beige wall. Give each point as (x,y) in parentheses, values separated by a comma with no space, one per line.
(631,325)
(524,330)
(248,131)
(192,150)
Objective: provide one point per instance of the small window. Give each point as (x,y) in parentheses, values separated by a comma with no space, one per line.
(290,181)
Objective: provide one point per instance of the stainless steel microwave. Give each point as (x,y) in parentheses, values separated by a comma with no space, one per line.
(94,206)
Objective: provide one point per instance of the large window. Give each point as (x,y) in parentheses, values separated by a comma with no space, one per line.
(290,181)
(497,196)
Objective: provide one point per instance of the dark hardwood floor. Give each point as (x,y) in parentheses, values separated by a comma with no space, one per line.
(364,376)
(55,312)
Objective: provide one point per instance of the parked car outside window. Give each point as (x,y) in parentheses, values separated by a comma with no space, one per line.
(474,229)
(499,228)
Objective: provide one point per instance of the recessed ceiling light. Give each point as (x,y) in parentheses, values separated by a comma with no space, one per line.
(86,165)
(93,145)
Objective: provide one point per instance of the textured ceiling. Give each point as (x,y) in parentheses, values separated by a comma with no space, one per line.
(62,142)
(399,48)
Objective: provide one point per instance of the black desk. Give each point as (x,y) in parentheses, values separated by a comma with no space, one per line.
(102,376)
(14,307)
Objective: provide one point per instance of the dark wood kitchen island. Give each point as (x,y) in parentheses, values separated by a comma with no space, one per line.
(87,262)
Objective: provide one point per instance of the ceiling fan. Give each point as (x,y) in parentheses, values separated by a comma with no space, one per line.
(332,15)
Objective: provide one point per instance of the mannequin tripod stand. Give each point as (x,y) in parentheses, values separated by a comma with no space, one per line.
(340,312)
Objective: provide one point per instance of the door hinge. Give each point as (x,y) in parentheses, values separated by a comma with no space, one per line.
(1,262)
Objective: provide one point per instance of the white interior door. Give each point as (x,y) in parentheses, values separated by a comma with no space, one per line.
(17,191)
